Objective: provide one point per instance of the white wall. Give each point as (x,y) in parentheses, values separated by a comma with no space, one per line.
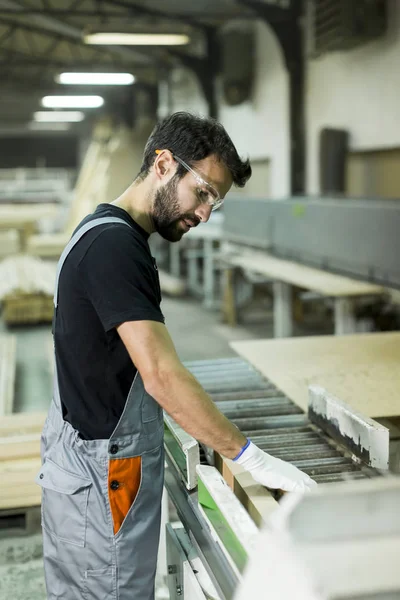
(260,127)
(359,91)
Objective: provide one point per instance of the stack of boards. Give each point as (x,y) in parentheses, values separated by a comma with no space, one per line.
(26,290)
(19,439)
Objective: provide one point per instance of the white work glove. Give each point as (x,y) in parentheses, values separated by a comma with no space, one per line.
(273,472)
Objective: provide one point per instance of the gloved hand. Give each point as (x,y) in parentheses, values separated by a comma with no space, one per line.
(273,472)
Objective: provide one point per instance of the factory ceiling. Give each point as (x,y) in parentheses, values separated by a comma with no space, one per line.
(39,39)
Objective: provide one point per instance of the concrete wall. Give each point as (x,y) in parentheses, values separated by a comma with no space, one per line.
(259,127)
(359,91)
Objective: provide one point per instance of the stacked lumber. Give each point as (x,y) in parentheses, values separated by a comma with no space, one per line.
(107,170)
(8,347)
(26,289)
(21,489)
(20,459)
(9,243)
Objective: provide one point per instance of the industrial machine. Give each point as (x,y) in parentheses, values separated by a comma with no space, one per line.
(208,554)
(352,236)
(341,542)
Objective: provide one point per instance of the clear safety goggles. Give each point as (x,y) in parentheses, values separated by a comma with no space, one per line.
(209,196)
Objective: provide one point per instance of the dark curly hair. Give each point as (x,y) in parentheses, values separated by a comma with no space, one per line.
(193,138)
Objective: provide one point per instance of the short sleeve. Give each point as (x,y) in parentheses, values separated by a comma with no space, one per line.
(120,278)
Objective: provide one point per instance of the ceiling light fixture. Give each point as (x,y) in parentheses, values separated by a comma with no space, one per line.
(48,126)
(95,78)
(72,101)
(137,39)
(58,116)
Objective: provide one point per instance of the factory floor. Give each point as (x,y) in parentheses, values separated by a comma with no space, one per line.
(197,333)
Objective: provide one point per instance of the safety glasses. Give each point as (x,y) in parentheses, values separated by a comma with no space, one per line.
(208,194)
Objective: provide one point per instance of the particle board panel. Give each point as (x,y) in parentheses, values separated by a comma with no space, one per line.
(361,370)
(8,348)
(317,280)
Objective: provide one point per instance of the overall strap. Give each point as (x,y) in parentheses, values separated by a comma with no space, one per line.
(73,241)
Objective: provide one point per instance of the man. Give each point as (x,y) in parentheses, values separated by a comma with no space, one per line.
(117,368)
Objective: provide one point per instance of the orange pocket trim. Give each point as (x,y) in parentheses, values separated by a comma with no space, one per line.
(124,477)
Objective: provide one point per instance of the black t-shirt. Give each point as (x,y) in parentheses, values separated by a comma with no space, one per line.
(108,278)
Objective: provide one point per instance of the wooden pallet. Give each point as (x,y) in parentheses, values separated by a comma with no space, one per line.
(20,521)
(8,349)
(21,308)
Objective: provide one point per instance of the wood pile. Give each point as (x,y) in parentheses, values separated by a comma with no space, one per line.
(20,459)
(9,243)
(26,289)
(19,438)
(107,170)
(8,347)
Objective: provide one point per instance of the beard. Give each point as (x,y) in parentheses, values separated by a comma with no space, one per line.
(167,216)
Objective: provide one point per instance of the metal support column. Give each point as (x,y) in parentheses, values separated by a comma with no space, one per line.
(175,260)
(345,321)
(283,324)
(209,273)
(285,21)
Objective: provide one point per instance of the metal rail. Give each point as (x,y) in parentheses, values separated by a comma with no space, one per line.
(273,422)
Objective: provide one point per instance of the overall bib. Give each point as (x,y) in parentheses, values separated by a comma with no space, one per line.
(101,499)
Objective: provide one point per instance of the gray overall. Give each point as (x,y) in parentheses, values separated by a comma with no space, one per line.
(84,558)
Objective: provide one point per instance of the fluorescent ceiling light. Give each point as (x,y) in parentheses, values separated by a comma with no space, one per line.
(137,39)
(72,101)
(47,126)
(58,116)
(95,78)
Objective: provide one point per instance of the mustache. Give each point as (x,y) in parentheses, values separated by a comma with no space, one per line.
(193,221)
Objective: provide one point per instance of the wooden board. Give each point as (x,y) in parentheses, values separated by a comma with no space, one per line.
(255,498)
(22,424)
(20,489)
(361,370)
(20,446)
(47,245)
(8,347)
(317,280)
(18,215)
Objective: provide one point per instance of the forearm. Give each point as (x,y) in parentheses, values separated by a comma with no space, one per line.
(183,398)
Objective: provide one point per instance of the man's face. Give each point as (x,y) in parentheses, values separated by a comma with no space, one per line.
(179,204)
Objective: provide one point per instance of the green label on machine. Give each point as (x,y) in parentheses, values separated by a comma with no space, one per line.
(221,526)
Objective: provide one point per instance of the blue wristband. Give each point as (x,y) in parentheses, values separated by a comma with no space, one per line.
(242,450)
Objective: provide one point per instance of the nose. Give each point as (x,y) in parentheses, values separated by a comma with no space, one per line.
(203,212)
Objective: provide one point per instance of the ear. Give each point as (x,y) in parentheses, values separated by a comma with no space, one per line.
(164,165)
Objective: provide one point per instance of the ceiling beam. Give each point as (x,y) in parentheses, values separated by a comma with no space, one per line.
(68,31)
(59,12)
(138,9)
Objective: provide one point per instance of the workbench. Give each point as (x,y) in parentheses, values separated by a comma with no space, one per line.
(362,369)
(284,274)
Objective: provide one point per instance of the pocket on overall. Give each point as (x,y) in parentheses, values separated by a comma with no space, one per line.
(99,584)
(64,503)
